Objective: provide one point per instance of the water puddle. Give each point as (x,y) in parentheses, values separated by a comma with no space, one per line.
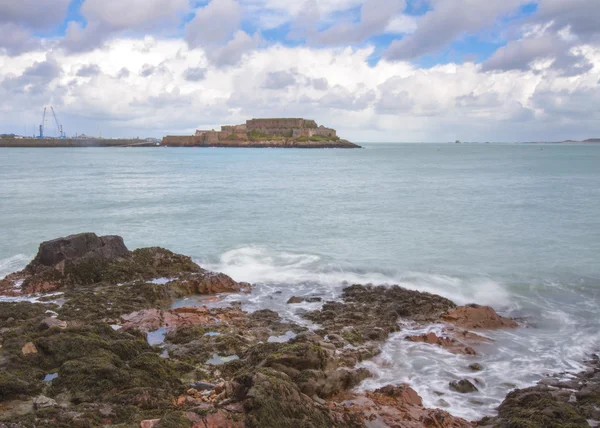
(36,298)
(286,337)
(115,327)
(50,377)
(162,281)
(218,360)
(212,333)
(156,337)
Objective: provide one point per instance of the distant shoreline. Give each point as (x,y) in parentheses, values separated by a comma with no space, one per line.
(72,142)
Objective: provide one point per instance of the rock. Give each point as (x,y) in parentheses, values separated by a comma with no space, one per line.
(392,406)
(148,320)
(475,367)
(451,345)
(149,423)
(294,300)
(29,348)
(403,392)
(463,386)
(219,419)
(52,322)
(476,316)
(41,402)
(52,252)
(203,386)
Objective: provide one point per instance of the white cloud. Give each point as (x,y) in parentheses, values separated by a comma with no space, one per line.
(143,87)
(214,24)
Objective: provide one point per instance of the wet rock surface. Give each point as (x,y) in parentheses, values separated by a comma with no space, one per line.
(566,400)
(224,367)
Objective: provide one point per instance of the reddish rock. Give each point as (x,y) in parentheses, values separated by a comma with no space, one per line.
(145,320)
(393,406)
(450,344)
(29,348)
(475,316)
(209,283)
(218,419)
(149,423)
(152,319)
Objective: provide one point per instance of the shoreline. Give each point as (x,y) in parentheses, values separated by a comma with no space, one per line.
(70,142)
(231,364)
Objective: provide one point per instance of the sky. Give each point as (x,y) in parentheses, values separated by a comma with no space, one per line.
(376,70)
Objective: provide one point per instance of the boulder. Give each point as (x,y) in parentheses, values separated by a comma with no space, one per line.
(51,322)
(41,402)
(149,423)
(476,316)
(476,367)
(29,348)
(52,252)
(464,386)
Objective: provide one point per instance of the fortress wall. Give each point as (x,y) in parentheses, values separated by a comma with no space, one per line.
(324,132)
(274,123)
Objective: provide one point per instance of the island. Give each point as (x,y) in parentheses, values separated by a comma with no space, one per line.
(276,132)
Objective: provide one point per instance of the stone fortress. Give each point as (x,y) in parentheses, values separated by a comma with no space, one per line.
(291,128)
(276,132)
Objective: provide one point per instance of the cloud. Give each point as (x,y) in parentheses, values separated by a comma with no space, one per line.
(320,84)
(89,70)
(232,52)
(582,17)
(33,14)
(279,80)
(34,80)
(375,16)
(215,28)
(558,49)
(214,24)
(16,40)
(105,18)
(445,22)
(509,100)
(195,74)
(134,14)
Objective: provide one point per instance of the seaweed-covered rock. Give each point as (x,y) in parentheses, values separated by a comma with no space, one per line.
(553,403)
(272,400)
(370,313)
(86,259)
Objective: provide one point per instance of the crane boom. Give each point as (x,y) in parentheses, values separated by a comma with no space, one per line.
(58,125)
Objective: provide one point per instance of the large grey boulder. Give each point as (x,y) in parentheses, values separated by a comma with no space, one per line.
(52,252)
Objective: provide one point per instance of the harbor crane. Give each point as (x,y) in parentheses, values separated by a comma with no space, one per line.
(59,127)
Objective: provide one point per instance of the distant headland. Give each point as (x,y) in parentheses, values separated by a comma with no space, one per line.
(276,132)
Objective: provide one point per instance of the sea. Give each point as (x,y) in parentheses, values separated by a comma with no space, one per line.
(515,226)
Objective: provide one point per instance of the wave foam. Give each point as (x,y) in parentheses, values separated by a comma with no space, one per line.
(260,265)
(13,264)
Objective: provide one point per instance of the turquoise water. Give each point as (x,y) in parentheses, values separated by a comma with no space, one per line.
(515,226)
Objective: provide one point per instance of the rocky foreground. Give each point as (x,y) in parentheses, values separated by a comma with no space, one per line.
(101,346)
